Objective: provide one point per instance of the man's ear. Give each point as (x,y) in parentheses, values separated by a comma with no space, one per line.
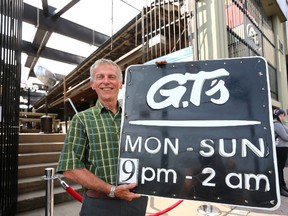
(91,85)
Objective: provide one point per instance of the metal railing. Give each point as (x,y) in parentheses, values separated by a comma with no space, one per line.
(10,71)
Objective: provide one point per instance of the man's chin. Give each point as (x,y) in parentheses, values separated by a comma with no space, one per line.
(108,98)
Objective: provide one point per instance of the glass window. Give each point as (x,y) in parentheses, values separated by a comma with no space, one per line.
(273,82)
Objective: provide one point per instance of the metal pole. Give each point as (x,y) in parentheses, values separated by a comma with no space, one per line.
(65,106)
(46,100)
(74,108)
(29,96)
(208,210)
(49,177)
(195,36)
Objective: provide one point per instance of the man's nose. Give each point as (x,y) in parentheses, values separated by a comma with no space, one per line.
(106,79)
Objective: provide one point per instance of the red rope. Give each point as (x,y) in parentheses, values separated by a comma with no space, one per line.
(73,193)
(167,209)
(78,197)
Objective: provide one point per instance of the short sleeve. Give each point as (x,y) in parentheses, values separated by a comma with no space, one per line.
(73,150)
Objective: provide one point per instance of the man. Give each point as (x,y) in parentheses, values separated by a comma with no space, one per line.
(90,152)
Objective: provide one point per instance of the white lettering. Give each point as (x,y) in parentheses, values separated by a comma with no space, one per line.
(152,145)
(128,143)
(149,174)
(212,174)
(257,179)
(148,149)
(174,95)
(166,173)
(247,178)
(208,150)
(205,144)
(222,148)
(259,152)
(236,175)
(174,148)
(144,174)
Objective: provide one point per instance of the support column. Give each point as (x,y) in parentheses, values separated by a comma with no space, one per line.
(281,62)
(212,31)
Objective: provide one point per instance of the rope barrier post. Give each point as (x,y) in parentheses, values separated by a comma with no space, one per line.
(49,177)
(208,210)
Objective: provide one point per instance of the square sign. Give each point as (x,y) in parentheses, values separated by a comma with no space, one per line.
(200,130)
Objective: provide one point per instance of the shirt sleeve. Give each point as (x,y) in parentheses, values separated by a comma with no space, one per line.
(73,150)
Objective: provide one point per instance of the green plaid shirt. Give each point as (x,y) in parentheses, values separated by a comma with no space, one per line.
(92,142)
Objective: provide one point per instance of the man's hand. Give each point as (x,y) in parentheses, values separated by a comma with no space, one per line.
(90,181)
(161,62)
(123,192)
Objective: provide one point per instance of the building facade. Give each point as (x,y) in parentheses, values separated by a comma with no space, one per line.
(213,29)
(240,28)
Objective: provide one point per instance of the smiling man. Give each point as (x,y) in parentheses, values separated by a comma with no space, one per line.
(90,151)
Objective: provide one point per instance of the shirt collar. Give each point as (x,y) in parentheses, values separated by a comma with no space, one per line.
(100,107)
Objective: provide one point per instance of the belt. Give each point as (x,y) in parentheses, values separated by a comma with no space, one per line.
(96,194)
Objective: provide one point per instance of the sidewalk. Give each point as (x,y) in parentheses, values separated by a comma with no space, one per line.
(186,208)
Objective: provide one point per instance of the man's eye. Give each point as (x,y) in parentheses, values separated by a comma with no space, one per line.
(99,77)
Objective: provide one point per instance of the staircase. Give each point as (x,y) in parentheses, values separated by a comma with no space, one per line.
(36,152)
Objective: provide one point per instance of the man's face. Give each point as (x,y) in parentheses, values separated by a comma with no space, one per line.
(106,83)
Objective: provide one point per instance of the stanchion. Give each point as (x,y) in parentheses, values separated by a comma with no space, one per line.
(208,210)
(49,177)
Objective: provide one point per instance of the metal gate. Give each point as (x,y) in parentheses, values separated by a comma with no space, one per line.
(10,65)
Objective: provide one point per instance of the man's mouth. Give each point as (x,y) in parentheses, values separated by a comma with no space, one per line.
(106,89)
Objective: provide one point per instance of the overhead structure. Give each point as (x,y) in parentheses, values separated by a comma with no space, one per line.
(162,27)
(48,21)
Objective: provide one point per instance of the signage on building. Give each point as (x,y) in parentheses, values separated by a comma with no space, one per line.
(200,130)
(253,37)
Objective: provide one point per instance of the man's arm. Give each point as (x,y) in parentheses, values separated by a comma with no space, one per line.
(88,180)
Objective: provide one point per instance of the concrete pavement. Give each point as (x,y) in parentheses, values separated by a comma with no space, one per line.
(186,208)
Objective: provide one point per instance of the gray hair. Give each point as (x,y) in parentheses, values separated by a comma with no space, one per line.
(105,62)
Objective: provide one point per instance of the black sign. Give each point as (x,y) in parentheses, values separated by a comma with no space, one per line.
(200,131)
(253,36)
